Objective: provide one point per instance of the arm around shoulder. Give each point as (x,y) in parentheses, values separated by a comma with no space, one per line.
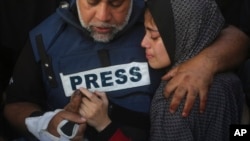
(227,52)
(194,76)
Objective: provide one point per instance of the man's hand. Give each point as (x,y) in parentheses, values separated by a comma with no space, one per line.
(186,81)
(194,77)
(70,113)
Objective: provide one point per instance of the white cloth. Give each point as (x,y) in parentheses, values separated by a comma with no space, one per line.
(62,134)
(38,126)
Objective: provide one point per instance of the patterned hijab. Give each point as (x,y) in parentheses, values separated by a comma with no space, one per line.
(186,26)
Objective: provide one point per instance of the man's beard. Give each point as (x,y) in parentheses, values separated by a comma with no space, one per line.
(104,37)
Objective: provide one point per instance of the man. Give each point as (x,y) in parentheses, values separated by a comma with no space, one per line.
(100,50)
(94,44)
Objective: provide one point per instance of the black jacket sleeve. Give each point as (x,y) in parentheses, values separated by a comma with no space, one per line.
(26,82)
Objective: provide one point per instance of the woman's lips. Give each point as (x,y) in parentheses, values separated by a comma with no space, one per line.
(149,56)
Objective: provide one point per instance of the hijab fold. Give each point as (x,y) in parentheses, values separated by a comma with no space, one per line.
(186,26)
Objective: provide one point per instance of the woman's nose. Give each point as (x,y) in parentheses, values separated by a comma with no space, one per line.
(145,43)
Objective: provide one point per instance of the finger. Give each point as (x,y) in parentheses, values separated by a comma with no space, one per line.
(82,110)
(80,134)
(203,100)
(178,95)
(170,88)
(170,74)
(102,96)
(63,115)
(82,128)
(190,100)
(86,106)
(74,117)
(86,93)
(75,102)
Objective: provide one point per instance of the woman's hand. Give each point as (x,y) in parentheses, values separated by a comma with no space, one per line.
(94,108)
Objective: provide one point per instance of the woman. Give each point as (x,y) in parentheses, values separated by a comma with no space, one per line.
(196,24)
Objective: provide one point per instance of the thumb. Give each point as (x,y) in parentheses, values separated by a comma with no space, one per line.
(75,102)
(170,74)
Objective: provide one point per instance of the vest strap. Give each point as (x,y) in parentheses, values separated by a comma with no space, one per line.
(46,61)
(104,57)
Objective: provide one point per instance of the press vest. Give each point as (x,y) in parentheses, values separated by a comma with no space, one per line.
(118,68)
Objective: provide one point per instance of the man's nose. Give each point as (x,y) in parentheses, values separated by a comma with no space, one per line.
(104,13)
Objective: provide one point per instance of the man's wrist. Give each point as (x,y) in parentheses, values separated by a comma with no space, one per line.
(36,113)
(38,121)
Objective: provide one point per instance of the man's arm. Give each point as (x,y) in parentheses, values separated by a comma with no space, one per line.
(17,112)
(25,95)
(194,77)
(227,52)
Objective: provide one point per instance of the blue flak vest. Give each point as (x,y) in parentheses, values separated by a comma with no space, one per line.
(118,68)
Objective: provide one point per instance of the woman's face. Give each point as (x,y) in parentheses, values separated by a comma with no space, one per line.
(155,50)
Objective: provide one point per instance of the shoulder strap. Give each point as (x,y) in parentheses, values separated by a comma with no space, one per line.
(46,61)
(104,57)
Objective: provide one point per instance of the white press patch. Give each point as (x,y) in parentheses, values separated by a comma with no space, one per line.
(107,79)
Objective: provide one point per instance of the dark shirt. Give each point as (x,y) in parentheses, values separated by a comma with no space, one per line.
(17,18)
(236,12)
